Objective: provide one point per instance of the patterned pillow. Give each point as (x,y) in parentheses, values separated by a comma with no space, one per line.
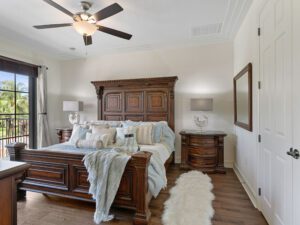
(93,143)
(157,128)
(78,132)
(144,134)
(126,137)
(101,131)
(104,138)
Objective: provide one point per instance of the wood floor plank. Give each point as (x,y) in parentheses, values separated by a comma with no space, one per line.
(232,206)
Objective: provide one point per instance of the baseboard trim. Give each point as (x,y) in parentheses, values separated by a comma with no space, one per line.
(227,164)
(245,185)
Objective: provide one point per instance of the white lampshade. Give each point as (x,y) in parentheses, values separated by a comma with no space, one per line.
(72,106)
(201,104)
(85,28)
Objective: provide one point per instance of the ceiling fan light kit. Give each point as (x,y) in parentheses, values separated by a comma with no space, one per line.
(85,28)
(86,23)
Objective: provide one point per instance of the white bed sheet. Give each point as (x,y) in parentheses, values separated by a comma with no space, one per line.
(159,150)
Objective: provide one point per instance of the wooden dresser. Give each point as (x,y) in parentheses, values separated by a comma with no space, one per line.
(64,134)
(11,174)
(203,151)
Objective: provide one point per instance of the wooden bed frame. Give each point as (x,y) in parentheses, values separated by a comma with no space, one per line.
(63,174)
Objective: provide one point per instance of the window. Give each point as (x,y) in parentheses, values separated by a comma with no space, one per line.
(17,103)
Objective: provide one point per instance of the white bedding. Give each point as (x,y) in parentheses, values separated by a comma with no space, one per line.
(157,178)
(158,149)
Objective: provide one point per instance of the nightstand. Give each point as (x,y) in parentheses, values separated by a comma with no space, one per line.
(203,151)
(64,134)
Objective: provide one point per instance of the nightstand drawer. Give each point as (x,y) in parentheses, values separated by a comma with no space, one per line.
(198,161)
(202,151)
(201,141)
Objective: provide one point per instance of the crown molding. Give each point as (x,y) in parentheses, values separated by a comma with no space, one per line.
(236,12)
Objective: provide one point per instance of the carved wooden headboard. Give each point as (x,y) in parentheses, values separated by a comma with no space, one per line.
(147,99)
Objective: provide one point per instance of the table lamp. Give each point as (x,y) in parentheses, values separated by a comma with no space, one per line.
(74,107)
(200,105)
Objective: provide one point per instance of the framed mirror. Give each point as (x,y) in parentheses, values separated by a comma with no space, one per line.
(243,98)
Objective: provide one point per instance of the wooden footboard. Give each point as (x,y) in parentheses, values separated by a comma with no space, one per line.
(64,174)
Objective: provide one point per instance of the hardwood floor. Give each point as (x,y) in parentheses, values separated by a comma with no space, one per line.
(232,206)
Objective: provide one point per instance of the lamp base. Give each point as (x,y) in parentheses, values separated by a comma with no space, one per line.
(200,130)
(74,118)
(201,122)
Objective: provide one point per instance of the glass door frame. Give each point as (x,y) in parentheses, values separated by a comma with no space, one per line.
(31,71)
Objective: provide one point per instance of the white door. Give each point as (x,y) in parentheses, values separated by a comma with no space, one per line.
(276,112)
(296,109)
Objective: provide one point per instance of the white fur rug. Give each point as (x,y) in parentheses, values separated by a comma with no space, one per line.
(190,202)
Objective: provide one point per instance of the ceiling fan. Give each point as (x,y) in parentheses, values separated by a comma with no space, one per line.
(87,24)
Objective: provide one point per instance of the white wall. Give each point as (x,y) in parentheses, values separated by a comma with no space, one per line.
(246,49)
(203,71)
(22,53)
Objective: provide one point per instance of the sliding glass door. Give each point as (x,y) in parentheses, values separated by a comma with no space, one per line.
(17,109)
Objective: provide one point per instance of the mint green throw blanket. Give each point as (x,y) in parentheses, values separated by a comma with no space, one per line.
(105,170)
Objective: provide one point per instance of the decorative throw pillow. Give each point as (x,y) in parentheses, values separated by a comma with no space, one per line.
(129,123)
(106,123)
(78,132)
(126,137)
(101,131)
(168,137)
(92,143)
(99,126)
(104,138)
(144,134)
(157,128)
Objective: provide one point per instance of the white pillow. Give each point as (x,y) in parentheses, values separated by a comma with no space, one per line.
(104,138)
(78,132)
(144,134)
(101,131)
(98,126)
(126,138)
(92,143)
(104,122)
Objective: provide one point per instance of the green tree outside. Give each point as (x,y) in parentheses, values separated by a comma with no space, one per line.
(7,106)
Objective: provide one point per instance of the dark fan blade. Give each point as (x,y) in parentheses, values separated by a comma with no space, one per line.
(57,6)
(87,40)
(108,11)
(116,33)
(52,25)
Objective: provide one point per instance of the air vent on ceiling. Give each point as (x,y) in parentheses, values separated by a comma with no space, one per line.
(207,29)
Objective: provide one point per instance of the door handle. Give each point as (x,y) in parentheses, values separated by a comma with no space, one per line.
(294,153)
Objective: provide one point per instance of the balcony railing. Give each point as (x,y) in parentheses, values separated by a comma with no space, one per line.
(13,130)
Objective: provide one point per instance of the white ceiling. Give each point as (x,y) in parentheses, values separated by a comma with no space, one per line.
(153,23)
